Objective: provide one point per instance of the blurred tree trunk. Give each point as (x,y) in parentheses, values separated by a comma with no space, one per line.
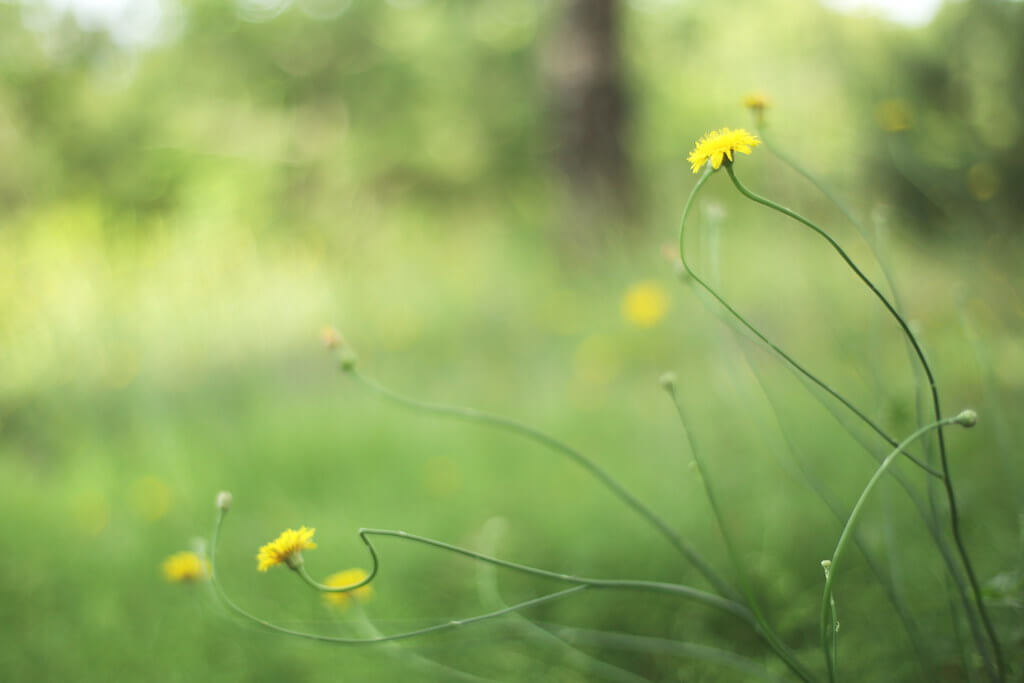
(588,109)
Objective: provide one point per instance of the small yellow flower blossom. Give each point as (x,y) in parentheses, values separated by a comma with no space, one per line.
(644,304)
(756,101)
(347,578)
(185,567)
(286,548)
(719,145)
(331,338)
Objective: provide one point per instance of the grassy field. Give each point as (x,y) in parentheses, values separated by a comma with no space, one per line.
(143,376)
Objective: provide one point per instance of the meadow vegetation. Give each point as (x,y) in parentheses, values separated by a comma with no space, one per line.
(181,222)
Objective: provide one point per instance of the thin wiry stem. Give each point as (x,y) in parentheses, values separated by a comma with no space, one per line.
(757,333)
(490,596)
(709,599)
(845,536)
(579,583)
(446,626)
(738,565)
(605,478)
(899,604)
(998,671)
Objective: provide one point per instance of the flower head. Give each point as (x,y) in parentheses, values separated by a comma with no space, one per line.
(719,145)
(756,101)
(286,548)
(185,567)
(645,304)
(348,577)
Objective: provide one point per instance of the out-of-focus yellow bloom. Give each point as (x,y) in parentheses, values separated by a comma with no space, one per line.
(286,548)
(893,115)
(347,578)
(756,101)
(330,337)
(644,304)
(185,567)
(719,145)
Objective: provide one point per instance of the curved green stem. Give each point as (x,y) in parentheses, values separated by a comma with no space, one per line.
(579,583)
(448,625)
(757,333)
(738,566)
(847,534)
(899,604)
(1000,668)
(491,598)
(612,484)
(709,599)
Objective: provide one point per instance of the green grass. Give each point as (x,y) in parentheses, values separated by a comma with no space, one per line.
(192,358)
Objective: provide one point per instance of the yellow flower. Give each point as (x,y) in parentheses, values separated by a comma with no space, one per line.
(719,145)
(756,101)
(644,304)
(185,567)
(347,578)
(286,548)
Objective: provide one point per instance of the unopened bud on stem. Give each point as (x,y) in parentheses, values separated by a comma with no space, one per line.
(967,418)
(224,500)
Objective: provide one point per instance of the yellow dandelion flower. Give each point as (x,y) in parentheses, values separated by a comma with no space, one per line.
(756,101)
(286,548)
(719,145)
(185,567)
(644,304)
(348,577)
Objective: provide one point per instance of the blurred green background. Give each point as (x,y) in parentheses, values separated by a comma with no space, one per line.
(478,195)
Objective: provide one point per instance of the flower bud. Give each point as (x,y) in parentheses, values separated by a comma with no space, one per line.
(967,418)
(347,359)
(668,381)
(224,500)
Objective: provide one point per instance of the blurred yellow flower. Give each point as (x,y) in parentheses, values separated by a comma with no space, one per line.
(286,548)
(719,145)
(330,337)
(185,567)
(756,101)
(644,304)
(347,578)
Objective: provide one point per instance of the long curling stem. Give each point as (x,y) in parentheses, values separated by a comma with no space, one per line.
(846,535)
(998,672)
(610,482)
(757,333)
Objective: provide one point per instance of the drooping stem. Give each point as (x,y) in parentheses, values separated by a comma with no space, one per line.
(449,625)
(579,584)
(757,333)
(738,565)
(1000,668)
(847,534)
(603,476)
